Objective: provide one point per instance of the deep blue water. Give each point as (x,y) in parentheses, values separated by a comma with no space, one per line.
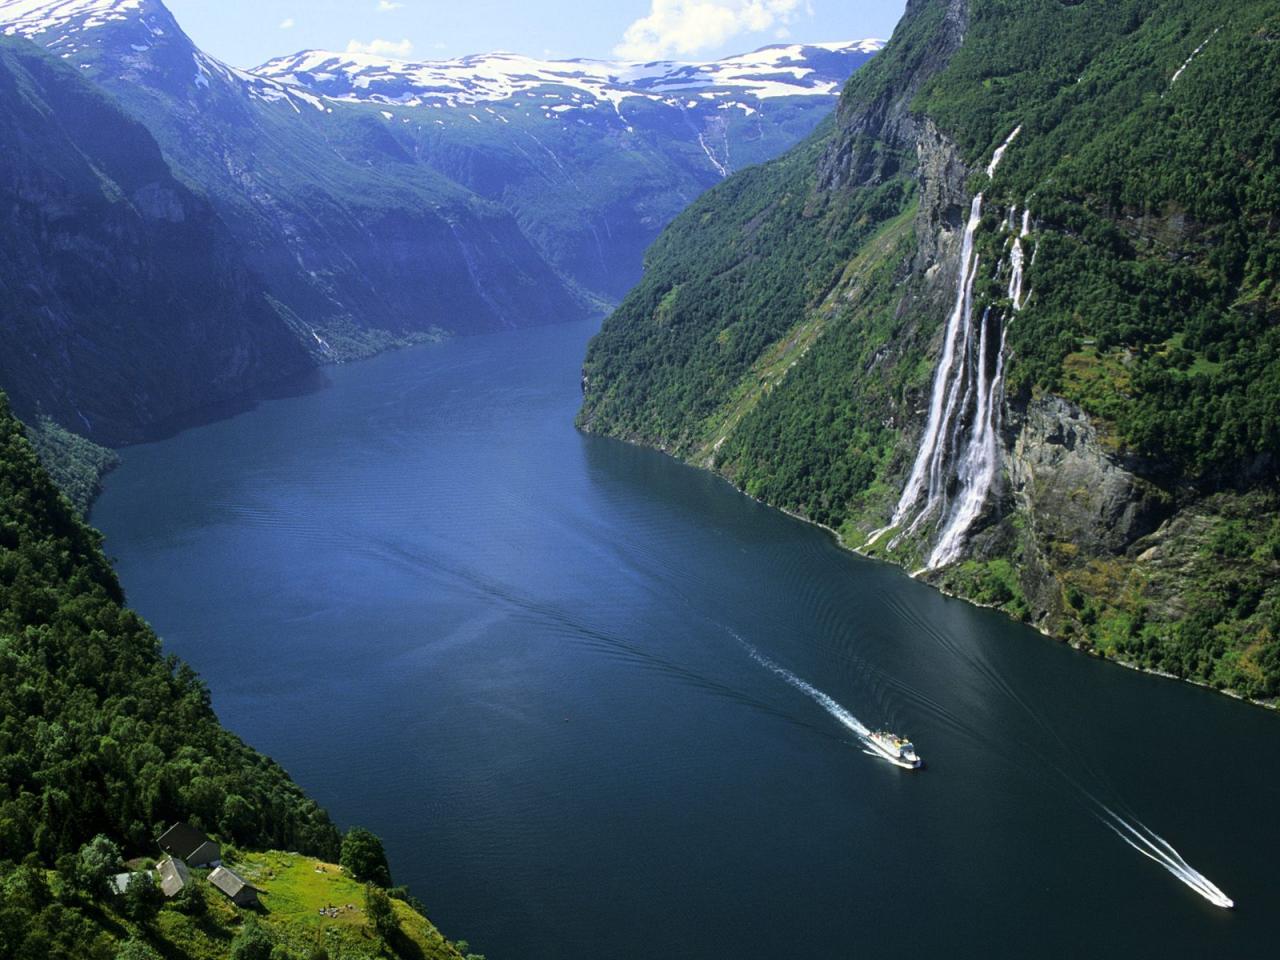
(524,657)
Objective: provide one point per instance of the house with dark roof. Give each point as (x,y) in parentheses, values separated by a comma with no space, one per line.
(242,894)
(174,876)
(187,843)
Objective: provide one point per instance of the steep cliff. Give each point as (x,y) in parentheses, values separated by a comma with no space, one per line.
(592,157)
(1013,324)
(348,233)
(123,298)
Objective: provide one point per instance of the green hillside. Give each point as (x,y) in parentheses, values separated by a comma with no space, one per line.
(309,909)
(789,325)
(103,736)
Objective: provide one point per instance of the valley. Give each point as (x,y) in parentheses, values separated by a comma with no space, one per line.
(364,204)
(685,502)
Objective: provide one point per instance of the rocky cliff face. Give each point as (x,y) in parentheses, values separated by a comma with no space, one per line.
(996,254)
(123,298)
(347,231)
(883,115)
(1068,494)
(1072,487)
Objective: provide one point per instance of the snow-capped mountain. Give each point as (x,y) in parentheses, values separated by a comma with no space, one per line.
(31,18)
(126,299)
(326,214)
(378,199)
(514,128)
(774,71)
(141,37)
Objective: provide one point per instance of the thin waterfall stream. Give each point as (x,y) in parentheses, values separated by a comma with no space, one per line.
(958,459)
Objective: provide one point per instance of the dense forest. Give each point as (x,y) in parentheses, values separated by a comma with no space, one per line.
(1155,204)
(101,735)
(99,732)
(788,326)
(719,297)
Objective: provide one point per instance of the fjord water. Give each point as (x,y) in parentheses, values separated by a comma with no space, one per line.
(536,662)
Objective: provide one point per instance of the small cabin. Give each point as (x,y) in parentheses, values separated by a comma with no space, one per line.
(190,845)
(239,892)
(174,876)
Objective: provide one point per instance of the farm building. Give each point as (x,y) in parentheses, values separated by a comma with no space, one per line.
(120,882)
(241,893)
(174,876)
(187,843)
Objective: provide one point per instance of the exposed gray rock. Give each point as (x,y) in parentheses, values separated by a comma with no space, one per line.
(1071,487)
(940,222)
(858,156)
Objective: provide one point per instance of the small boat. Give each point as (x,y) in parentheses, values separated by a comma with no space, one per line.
(895,749)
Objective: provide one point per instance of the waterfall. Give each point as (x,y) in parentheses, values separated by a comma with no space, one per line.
(959,455)
(473,272)
(1017,260)
(999,154)
(946,383)
(981,458)
(1194,53)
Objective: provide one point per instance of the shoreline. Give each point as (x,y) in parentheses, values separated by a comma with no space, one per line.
(1273,706)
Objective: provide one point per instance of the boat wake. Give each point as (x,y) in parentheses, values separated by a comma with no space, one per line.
(1154,847)
(1129,829)
(852,723)
(812,692)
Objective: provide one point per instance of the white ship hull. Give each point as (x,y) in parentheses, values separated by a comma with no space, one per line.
(891,752)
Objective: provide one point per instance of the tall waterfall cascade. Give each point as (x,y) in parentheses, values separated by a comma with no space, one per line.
(958,460)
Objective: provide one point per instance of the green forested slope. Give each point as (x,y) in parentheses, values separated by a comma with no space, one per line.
(105,742)
(1152,308)
(124,300)
(100,733)
(1156,209)
(729,278)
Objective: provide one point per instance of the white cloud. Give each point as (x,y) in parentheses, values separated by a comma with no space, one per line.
(382,48)
(688,26)
(287,23)
(386,6)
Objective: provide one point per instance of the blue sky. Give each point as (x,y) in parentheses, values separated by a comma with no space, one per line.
(247,32)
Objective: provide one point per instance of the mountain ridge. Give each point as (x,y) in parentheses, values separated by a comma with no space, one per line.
(771,71)
(370,226)
(1100,309)
(110,306)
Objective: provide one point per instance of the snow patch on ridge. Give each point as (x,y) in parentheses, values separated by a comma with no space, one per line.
(31,18)
(778,71)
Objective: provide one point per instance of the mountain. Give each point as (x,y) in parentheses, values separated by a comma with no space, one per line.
(361,203)
(1009,320)
(124,299)
(740,81)
(347,231)
(593,158)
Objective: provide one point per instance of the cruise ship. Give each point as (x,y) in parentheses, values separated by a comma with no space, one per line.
(894,749)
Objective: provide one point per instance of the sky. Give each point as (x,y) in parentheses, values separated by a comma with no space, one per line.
(245,33)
